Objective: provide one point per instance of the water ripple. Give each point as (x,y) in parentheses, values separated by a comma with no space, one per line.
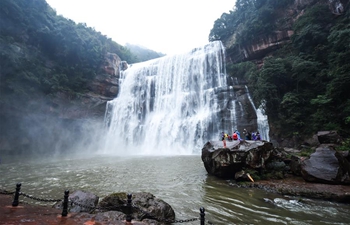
(179,180)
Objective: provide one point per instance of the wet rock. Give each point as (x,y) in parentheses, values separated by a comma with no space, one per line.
(228,97)
(144,206)
(80,199)
(329,137)
(276,165)
(326,166)
(313,141)
(226,162)
(295,165)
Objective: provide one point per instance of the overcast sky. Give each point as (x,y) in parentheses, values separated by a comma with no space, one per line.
(167,26)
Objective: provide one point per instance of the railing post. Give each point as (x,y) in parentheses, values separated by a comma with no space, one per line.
(129,210)
(65,203)
(202,215)
(15,200)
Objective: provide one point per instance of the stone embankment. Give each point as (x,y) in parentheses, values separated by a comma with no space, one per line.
(146,209)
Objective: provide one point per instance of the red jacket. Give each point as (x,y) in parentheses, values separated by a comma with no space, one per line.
(234,136)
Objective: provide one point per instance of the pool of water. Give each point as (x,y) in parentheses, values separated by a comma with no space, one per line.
(181,181)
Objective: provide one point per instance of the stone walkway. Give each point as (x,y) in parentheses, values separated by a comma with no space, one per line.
(44,215)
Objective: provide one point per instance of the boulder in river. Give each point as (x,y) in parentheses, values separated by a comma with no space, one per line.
(226,162)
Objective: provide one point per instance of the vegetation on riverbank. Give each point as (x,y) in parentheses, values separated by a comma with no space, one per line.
(44,53)
(302,85)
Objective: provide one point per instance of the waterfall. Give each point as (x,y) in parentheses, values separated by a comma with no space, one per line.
(172,105)
(263,124)
(262,121)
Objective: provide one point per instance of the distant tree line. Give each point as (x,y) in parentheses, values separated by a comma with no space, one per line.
(143,53)
(42,52)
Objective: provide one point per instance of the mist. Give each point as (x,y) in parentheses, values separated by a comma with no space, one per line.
(40,135)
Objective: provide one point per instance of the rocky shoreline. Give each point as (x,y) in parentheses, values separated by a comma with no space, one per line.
(316,171)
(298,187)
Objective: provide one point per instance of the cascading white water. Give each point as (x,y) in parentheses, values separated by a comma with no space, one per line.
(263,124)
(262,121)
(168,105)
(175,104)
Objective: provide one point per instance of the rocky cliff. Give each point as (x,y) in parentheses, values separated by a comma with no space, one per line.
(266,44)
(62,122)
(56,77)
(92,104)
(269,44)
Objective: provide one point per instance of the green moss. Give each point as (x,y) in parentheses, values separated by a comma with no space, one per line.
(345,145)
(306,152)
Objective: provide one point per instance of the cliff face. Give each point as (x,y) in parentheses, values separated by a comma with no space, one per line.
(260,48)
(56,77)
(62,122)
(266,44)
(92,104)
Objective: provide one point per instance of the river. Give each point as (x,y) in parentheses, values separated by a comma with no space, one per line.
(181,181)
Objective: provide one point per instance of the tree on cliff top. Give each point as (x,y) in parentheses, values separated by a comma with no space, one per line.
(45,53)
(305,83)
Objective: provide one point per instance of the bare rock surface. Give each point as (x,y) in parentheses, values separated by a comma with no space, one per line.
(326,166)
(226,162)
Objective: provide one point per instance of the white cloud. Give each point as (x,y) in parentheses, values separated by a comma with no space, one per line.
(168,26)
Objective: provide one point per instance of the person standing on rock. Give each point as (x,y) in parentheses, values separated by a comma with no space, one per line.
(235,136)
(238,135)
(223,138)
(248,135)
(253,136)
(258,137)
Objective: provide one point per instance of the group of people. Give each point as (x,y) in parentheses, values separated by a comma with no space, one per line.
(252,136)
(237,136)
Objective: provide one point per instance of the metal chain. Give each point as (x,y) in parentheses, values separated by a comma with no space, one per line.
(4,192)
(40,199)
(185,221)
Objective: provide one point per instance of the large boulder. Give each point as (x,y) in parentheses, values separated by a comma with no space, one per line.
(329,137)
(326,166)
(81,201)
(144,206)
(238,155)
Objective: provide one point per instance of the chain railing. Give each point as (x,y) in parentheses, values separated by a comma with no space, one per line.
(129,207)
